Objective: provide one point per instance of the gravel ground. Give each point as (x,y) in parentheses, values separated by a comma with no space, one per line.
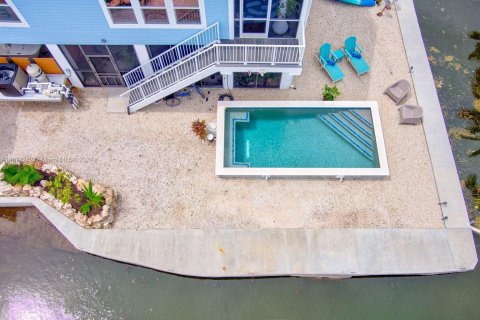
(165,175)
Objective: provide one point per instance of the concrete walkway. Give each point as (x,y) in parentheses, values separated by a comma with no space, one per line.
(273,252)
(443,163)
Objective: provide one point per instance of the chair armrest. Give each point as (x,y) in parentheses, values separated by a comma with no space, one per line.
(323,61)
(359,48)
(334,55)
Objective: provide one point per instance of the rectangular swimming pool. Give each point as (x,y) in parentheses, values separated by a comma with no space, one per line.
(300,138)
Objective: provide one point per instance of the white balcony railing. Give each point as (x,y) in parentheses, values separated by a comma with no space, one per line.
(217,54)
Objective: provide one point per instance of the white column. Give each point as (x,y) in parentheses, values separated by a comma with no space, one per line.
(286,80)
(231,21)
(143,58)
(227,80)
(64,65)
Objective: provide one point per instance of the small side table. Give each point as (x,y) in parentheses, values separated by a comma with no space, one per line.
(339,55)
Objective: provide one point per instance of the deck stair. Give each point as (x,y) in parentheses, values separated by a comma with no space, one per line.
(353,128)
(201,56)
(244,117)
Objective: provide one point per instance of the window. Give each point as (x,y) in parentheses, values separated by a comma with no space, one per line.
(256,80)
(267,18)
(187,11)
(154,13)
(10,16)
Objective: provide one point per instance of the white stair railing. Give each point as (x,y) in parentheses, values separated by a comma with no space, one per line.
(173,55)
(216,54)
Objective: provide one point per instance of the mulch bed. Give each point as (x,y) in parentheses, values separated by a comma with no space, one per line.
(75,205)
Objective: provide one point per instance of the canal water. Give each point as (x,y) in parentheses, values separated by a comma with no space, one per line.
(43,277)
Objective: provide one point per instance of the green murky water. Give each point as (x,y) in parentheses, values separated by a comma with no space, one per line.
(41,277)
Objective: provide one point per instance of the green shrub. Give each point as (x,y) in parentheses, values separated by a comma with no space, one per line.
(22,175)
(330,93)
(476,84)
(61,187)
(94,199)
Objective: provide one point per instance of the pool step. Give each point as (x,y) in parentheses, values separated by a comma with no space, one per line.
(365,130)
(350,133)
(237,117)
(362,119)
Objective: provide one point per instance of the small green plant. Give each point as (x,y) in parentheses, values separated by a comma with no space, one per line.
(61,187)
(199,127)
(94,199)
(22,175)
(378,2)
(330,93)
(471,184)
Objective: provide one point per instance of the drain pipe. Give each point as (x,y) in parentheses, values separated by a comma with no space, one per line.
(267,178)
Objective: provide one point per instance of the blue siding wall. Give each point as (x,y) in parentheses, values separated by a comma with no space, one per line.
(83,22)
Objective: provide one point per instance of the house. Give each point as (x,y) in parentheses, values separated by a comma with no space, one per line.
(157,47)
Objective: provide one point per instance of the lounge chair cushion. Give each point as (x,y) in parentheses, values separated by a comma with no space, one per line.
(330,62)
(356,54)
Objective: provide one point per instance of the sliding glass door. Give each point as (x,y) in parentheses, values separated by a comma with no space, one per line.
(267,18)
(100,65)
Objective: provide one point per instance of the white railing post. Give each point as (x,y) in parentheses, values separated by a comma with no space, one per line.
(218,32)
(176,73)
(196,63)
(217,56)
(274,52)
(245,55)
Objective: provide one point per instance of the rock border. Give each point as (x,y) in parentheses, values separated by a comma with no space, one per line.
(98,221)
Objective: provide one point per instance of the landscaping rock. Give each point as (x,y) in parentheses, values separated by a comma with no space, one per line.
(57,204)
(45,183)
(2,175)
(27,187)
(5,187)
(46,167)
(17,188)
(98,188)
(81,183)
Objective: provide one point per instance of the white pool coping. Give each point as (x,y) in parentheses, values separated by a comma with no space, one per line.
(222,171)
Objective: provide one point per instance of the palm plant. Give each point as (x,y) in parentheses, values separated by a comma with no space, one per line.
(475,55)
(94,199)
(472,131)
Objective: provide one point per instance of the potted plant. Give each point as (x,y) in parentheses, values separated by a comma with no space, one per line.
(330,93)
(199,127)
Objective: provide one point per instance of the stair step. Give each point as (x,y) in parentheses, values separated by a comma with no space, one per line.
(361,118)
(347,137)
(239,116)
(366,141)
(360,126)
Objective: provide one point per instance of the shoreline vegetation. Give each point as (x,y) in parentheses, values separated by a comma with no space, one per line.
(472,130)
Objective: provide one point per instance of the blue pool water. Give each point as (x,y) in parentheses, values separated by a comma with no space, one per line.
(300,138)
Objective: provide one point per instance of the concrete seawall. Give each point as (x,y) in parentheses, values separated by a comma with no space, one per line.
(334,253)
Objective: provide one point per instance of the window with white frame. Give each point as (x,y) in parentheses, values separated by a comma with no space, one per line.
(154,13)
(10,16)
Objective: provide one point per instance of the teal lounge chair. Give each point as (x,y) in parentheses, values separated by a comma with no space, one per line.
(328,61)
(353,52)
